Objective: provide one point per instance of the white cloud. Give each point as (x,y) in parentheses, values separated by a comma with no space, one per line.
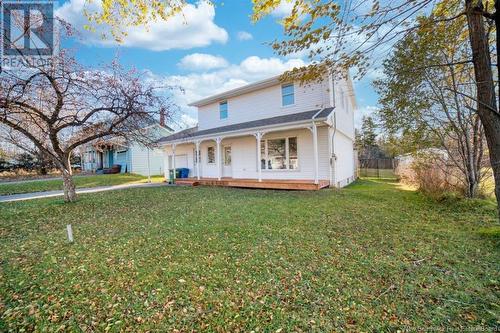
(243,35)
(188,121)
(199,85)
(367,110)
(194,27)
(284,9)
(202,61)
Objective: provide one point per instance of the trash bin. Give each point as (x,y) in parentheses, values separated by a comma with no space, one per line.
(184,172)
(171,178)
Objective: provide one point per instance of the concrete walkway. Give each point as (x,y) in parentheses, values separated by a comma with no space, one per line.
(50,194)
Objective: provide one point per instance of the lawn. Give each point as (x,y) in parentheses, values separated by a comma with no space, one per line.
(371,257)
(80,182)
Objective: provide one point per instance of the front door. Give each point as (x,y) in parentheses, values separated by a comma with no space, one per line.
(110,158)
(227,170)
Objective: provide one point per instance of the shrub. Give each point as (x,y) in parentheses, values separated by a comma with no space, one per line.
(434,178)
(432,174)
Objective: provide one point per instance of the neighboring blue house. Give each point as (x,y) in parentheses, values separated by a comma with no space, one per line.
(131,156)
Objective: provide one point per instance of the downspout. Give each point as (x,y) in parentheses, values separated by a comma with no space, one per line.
(333,157)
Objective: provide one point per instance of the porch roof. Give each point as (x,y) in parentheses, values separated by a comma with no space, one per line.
(193,132)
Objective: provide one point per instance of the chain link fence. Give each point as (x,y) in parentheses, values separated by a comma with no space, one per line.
(377,167)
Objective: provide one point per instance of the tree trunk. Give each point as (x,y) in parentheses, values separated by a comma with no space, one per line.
(68,184)
(472,187)
(486,97)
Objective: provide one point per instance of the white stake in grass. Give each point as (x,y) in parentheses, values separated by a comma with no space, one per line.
(69,229)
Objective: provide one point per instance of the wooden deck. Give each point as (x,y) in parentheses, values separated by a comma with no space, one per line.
(276,184)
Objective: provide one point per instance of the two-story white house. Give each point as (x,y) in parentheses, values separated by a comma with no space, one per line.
(270,134)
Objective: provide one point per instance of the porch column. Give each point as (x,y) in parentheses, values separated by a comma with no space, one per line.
(219,169)
(165,164)
(259,136)
(314,131)
(197,159)
(173,159)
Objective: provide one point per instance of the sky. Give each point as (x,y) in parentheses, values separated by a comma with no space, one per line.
(207,50)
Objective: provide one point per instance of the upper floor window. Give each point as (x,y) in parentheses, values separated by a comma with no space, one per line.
(223,110)
(287,94)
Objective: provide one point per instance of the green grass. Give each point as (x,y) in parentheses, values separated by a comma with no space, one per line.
(371,257)
(80,182)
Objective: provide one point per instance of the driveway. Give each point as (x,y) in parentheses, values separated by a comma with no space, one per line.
(50,194)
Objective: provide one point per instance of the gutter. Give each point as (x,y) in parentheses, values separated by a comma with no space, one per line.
(316,114)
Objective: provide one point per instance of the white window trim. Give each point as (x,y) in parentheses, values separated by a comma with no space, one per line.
(287,154)
(288,105)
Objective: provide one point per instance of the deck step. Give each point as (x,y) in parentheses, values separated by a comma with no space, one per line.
(254,183)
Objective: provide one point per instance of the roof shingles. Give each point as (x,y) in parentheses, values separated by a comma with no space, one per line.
(279,120)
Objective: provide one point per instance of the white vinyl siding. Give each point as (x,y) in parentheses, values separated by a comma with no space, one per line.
(265,103)
(344,111)
(138,158)
(344,150)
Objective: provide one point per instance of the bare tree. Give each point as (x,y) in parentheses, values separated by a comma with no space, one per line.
(426,92)
(55,109)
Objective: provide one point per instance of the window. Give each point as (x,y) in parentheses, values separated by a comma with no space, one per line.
(287,94)
(293,158)
(276,154)
(223,110)
(211,154)
(227,155)
(279,154)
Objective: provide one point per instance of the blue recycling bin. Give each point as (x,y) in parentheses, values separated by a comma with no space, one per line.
(182,172)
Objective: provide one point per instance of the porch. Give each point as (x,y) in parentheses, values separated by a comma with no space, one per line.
(275,184)
(286,152)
